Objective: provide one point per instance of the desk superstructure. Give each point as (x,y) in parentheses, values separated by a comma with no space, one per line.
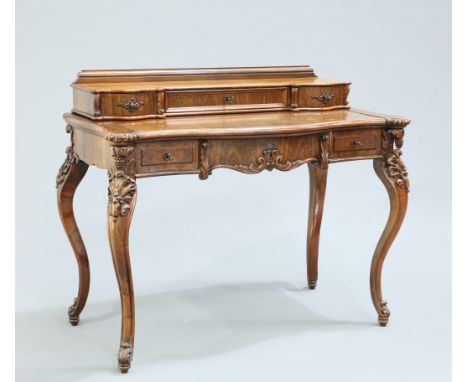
(141,123)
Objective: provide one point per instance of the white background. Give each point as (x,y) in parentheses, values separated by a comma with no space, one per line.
(219,265)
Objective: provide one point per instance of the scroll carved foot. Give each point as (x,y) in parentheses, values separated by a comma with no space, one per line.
(125,358)
(73,314)
(68,178)
(384,313)
(392,172)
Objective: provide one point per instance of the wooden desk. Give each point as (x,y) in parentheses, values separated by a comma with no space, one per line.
(249,143)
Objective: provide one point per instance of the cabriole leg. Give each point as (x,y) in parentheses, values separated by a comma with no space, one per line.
(122,200)
(392,172)
(69,177)
(318,184)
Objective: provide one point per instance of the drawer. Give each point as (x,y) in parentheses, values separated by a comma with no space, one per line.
(229,100)
(166,155)
(322,97)
(356,143)
(176,156)
(255,155)
(128,105)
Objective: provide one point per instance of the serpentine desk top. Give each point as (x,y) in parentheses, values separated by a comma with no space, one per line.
(237,125)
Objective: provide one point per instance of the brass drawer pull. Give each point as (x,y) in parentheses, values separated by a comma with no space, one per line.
(131,105)
(356,143)
(325,97)
(168,156)
(229,100)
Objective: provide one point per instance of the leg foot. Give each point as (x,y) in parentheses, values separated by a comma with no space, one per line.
(69,177)
(384,314)
(312,284)
(73,316)
(125,358)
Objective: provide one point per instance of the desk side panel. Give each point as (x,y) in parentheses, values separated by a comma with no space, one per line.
(92,149)
(86,103)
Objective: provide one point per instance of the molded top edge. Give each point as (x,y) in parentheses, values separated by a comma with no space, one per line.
(306,69)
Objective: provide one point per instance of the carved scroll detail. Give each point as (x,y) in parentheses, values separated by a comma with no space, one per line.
(70,159)
(397,122)
(122,189)
(125,357)
(384,313)
(269,160)
(204,166)
(121,138)
(397,135)
(393,164)
(396,169)
(122,186)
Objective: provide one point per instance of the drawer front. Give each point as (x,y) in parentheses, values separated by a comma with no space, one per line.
(322,97)
(255,155)
(356,143)
(167,157)
(229,100)
(128,105)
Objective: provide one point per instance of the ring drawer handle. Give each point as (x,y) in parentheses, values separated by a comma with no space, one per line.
(228,100)
(356,143)
(168,156)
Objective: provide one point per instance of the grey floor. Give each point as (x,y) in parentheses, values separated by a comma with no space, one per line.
(270,331)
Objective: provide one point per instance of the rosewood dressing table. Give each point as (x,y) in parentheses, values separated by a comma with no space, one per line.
(141,123)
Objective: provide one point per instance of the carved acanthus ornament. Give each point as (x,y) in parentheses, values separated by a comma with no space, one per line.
(70,159)
(122,184)
(393,164)
(269,160)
